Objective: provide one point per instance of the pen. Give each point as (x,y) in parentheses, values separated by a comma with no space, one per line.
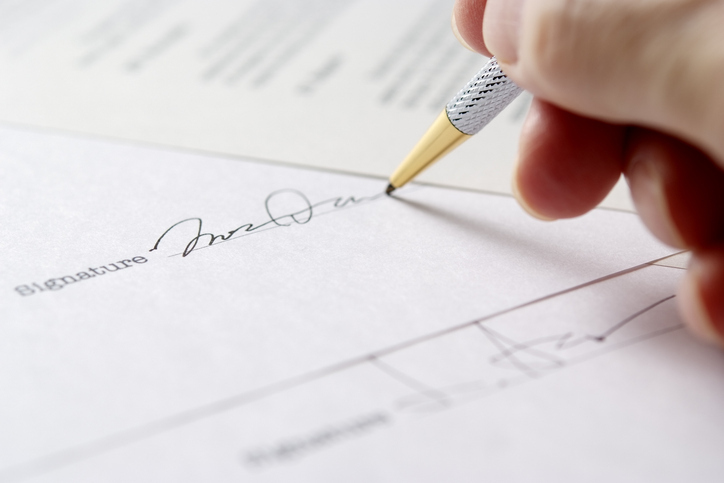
(488,93)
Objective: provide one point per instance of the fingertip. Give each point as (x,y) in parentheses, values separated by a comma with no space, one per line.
(677,189)
(692,311)
(502,29)
(467,21)
(567,164)
(647,184)
(456,33)
(522,201)
(697,307)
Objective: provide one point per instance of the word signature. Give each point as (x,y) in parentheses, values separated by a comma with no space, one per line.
(279,214)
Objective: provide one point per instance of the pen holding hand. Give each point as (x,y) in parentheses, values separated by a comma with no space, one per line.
(621,87)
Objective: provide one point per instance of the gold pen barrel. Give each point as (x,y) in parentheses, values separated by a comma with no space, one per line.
(440,139)
(483,98)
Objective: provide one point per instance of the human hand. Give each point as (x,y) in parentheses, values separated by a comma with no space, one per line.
(621,86)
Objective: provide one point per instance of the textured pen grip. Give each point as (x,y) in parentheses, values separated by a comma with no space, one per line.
(488,93)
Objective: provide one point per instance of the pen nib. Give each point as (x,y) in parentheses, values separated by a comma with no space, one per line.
(390,189)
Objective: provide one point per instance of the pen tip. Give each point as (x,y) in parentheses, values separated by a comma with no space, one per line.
(390,189)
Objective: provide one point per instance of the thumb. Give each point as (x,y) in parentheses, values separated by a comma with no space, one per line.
(655,63)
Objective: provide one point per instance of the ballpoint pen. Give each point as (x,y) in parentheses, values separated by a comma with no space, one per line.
(483,98)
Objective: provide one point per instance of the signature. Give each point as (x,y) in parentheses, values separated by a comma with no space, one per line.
(301,213)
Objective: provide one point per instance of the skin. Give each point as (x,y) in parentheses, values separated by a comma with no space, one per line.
(621,86)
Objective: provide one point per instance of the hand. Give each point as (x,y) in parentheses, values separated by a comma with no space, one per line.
(621,86)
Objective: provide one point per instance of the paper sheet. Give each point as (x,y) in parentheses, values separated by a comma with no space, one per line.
(338,84)
(329,332)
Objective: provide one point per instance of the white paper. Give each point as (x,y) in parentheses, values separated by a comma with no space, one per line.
(440,335)
(337,84)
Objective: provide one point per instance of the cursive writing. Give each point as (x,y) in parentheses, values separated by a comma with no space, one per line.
(283,208)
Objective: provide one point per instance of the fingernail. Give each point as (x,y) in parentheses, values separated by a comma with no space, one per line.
(502,28)
(647,189)
(522,202)
(456,33)
(692,308)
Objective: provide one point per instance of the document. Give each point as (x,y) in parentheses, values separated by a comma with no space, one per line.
(344,85)
(170,315)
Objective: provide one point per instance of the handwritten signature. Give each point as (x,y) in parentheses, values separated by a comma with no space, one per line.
(302,213)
